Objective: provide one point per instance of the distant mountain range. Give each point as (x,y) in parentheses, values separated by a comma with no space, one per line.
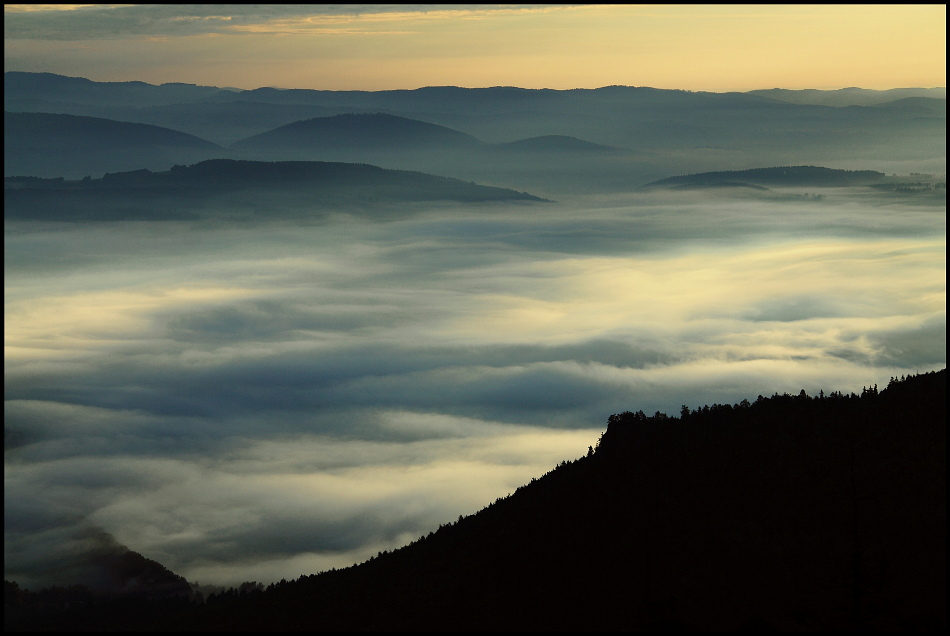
(52,145)
(850,96)
(783,513)
(557,144)
(31,89)
(658,132)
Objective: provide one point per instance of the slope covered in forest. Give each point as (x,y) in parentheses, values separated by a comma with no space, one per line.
(227,187)
(789,512)
(782,176)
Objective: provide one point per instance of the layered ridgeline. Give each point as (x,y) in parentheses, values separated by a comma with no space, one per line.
(785,179)
(853,96)
(231,188)
(399,142)
(789,512)
(782,176)
(32,91)
(659,132)
(379,132)
(56,145)
(355,133)
(628,116)
(555,144)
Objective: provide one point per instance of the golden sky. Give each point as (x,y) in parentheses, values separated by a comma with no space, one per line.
(375,47)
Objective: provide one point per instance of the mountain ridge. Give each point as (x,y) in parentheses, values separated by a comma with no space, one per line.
(852,96)
(237,188)
(774,176)
(72,146)
(555,143)
(664,127)
(357,131)
(789,512)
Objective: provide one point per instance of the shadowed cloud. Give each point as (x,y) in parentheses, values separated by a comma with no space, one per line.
(243,402)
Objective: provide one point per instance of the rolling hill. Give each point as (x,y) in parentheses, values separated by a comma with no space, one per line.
(22,89)
(224,122)
(670,130)
(556,144)
(783,176)
(360,132)
(225,188)
(71,146)
(849,96)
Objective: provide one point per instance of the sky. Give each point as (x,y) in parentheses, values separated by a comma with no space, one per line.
(714,48)
(243,401)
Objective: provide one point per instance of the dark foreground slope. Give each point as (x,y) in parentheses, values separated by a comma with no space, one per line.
(122,586)
(791,512)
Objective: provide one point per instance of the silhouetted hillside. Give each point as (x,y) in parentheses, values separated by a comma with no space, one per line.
(225,122)
(555,143)
(377,132)
(672,131)
(51,130)
(115,577)
(848,96)
(922,106)
(725,185)
(28,89)
(226,187)
(789,512)
(784,176)
(53,145)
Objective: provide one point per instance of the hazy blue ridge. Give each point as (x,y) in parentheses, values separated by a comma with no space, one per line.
(73,146)
(376,131)
(777,176)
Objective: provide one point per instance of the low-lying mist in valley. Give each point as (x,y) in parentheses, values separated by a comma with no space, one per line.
(245,400)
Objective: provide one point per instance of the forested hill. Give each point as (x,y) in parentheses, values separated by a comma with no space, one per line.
(377,131)
(789,512)
(72,146)
(222,187)
(783,176)
(231,174)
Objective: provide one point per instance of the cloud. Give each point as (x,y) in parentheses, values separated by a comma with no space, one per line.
(259,403)
(262,500)
(917,345)
(485,324)
(93,22)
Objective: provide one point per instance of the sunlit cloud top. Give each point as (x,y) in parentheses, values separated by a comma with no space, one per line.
(376,47)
